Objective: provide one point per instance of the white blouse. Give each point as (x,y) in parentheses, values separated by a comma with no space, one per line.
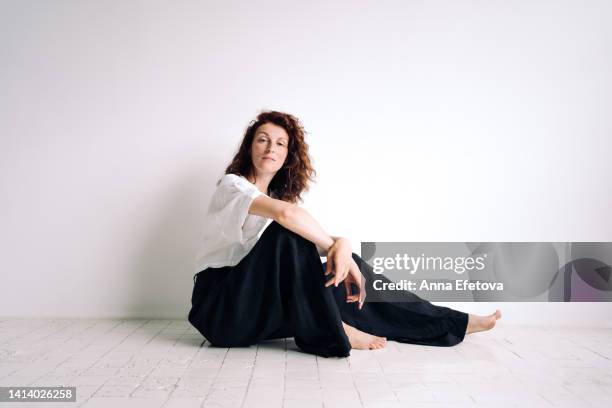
(230,232)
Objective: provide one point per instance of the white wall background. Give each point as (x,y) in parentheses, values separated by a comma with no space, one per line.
(428,121)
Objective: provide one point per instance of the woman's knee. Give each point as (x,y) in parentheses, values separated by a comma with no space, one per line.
(358,260)
(277,231)
(366,270)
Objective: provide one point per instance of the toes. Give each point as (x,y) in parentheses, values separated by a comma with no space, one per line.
(379,343)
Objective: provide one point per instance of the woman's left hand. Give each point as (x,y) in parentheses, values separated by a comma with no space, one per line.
(339,258)
(355,277)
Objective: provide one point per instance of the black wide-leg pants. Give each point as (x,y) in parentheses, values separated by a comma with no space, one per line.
(278,290)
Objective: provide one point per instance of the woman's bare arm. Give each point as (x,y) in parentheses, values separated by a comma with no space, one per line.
(295,219)
(337,249)
(323,252)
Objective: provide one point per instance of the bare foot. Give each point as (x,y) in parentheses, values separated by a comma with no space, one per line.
(478,323)
(363,341)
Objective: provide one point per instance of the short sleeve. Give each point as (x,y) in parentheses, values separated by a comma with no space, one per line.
(230,205)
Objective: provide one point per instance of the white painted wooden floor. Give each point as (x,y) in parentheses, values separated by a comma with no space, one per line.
(163,363)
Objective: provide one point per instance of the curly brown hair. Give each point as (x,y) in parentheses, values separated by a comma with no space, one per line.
(294,176)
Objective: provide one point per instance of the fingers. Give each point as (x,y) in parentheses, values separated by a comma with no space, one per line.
(362,292)
(338,266)
(357,278)
(329,266)
(361,298)
(350,296)
(341,272)
(329,269)
(336,279)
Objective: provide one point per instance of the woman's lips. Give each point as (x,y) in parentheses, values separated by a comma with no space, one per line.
(269,158)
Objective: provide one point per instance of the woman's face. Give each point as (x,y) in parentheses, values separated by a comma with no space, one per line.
(269,148)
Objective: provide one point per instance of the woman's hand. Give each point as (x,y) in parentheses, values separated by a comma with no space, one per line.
(339,259)
(355,276)
(340,262)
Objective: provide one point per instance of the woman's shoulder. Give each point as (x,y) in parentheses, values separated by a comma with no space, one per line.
(231,179)
(235,182)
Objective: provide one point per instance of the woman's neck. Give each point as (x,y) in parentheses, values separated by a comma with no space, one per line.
(263,182)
